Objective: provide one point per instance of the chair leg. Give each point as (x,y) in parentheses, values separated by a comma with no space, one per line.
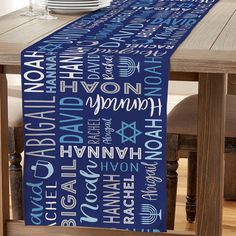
(15,148)
(16,185)
(172,178)
(191,187)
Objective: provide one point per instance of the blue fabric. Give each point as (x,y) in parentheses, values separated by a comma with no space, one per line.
(94,101)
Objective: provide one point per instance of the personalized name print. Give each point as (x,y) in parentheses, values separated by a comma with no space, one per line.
(94,101)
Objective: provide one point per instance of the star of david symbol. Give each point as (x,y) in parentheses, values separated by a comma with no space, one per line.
(128,127)
(50,47)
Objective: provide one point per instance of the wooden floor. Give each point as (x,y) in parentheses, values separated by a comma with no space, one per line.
(229,221)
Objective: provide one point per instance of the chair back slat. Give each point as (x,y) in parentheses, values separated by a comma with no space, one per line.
(232,84)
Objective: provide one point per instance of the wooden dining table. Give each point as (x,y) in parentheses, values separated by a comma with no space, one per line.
(208,55)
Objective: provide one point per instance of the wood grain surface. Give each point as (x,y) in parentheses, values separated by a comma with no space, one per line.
(211,47)
(19,229)
(211,133)
(204,35)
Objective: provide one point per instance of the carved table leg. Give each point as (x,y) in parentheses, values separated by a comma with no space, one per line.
(172,178)
(191,187)
(211,135)
(4,175)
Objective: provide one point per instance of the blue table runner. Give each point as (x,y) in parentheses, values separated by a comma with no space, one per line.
(94,103)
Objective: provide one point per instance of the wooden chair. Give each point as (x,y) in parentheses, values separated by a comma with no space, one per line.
(182,142)
(16,146)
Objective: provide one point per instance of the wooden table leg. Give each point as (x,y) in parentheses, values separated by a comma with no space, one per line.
(211,129)
(172,178)
(4,176)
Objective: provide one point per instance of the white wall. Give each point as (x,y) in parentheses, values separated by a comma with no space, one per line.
(7,6)
(183,88)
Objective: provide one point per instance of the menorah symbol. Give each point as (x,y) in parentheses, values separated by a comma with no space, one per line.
(127,67)
(149,214)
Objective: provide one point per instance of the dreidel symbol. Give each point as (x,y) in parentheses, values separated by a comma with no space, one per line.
(42,169)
